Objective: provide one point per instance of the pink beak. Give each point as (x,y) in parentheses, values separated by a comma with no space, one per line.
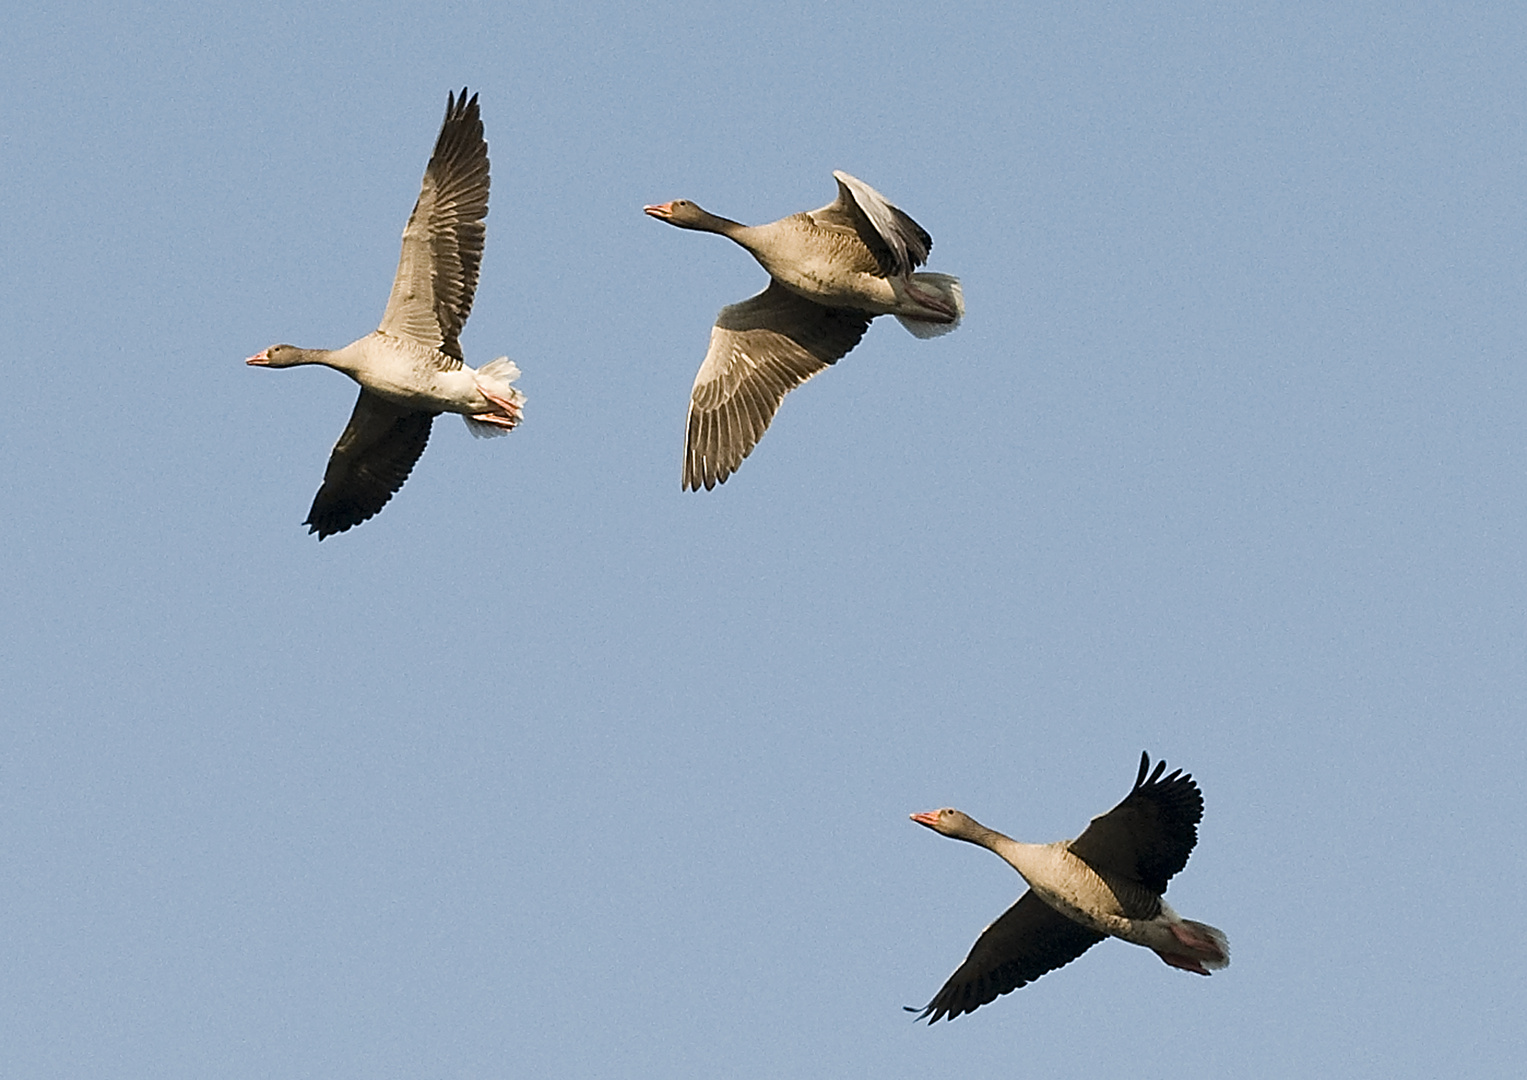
(927,817)
(661,210)
(260,359)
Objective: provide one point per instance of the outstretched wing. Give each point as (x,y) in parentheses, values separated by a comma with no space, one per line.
(899,244)
(373,457)
(442,244)
(1030,939)
(760,350)
(1148,837)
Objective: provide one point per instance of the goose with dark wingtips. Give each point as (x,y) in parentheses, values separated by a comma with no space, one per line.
(1106,882)
(411,369)
(832,271)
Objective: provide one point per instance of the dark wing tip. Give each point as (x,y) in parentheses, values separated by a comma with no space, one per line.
(1155,774)
(928,1012)
(1176,794)
(460,107)
(331,522)
(336,511)
(336,515)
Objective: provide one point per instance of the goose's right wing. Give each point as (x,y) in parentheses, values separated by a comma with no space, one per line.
(899,244)
(1148,837)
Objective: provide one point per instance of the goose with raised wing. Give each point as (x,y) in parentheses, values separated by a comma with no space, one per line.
(411,369)
(832,270)
(1106,883)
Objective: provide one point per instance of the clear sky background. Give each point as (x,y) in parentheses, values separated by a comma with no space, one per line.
(554,770)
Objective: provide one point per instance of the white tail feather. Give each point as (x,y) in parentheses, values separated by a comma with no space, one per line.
(503,370)
(481,430)
(494,379)
(949,288)
(1217,954)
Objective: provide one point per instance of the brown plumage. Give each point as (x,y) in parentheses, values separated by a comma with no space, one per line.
(411,368)
(832,270)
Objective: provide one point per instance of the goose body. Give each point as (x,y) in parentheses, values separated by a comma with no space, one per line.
(831,271)
(1108,882)
(411,369)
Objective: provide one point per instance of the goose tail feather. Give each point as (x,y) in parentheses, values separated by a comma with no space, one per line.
(494,382)
(947,290)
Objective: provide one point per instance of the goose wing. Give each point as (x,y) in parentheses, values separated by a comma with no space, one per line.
(898,243)
(1148,837)
(373,457)
(442,244)
(1030,939)
(760,350)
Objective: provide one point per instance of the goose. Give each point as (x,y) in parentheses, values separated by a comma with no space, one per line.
(1106,882)
(410,369)
(831,271)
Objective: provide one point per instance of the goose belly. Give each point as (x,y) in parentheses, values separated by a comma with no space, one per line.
(822,282)
(1074,889)
(445,391)
(410,375)
(1100,912)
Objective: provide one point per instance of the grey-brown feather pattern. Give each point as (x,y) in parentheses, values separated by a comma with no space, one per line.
(443,242)
(374,455)
(844,244)
(760,350)
(898,244)
(1030,939)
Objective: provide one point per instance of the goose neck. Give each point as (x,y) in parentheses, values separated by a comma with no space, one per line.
(1024,858)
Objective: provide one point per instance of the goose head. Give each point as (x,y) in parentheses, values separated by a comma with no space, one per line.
(688,215)
(949,821)
(279,356)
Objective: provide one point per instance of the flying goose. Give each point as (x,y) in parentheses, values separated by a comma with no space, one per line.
(1106,882)
(410,369)
(832,270)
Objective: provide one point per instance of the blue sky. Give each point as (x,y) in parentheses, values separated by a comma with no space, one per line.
(552,769)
